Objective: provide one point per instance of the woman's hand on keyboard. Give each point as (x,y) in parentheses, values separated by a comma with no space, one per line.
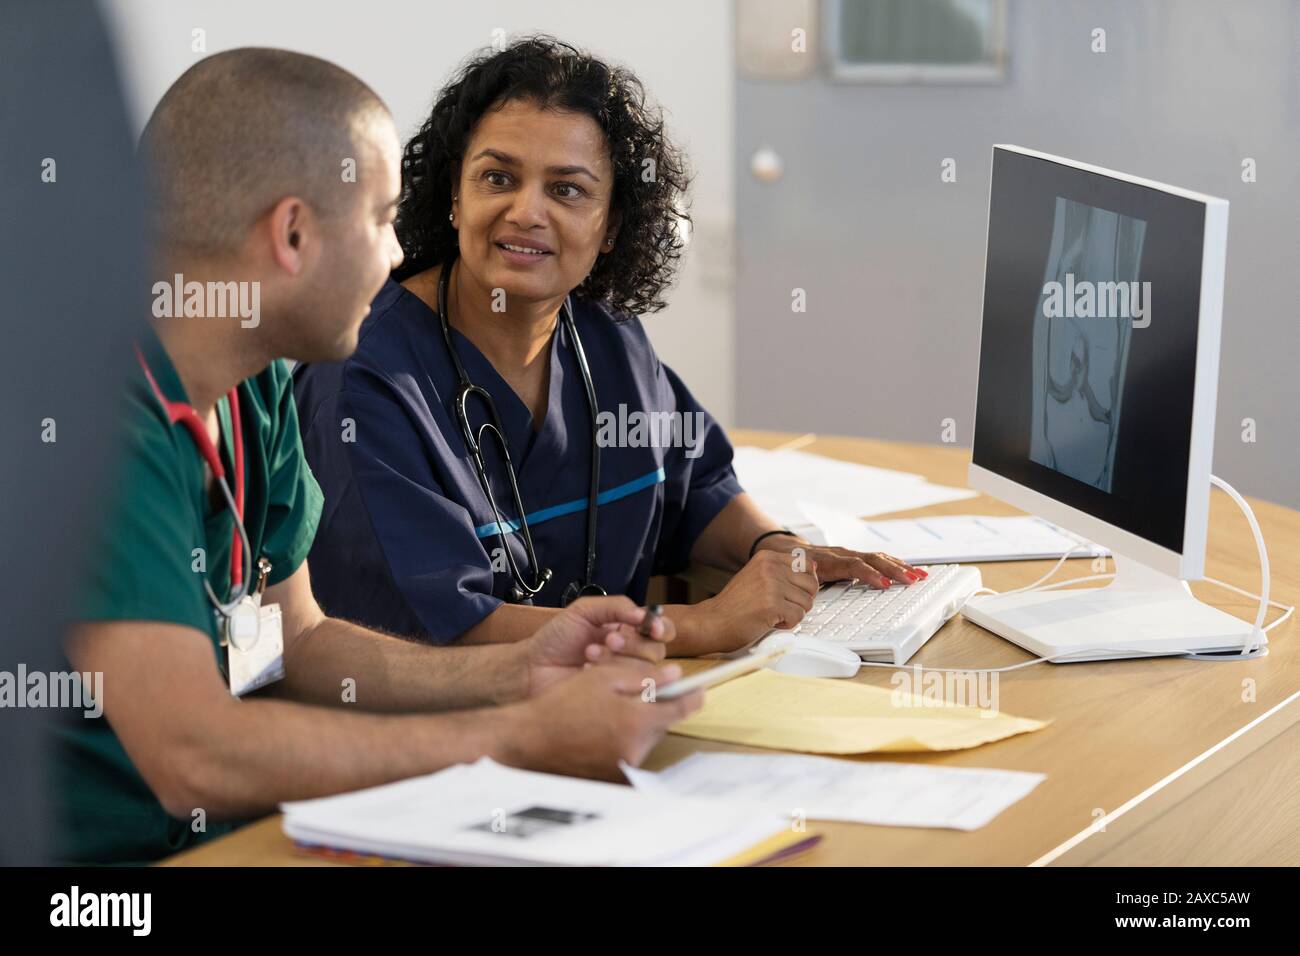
(773,591)
(841,564)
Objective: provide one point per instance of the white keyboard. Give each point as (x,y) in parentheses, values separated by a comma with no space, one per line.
(890,625)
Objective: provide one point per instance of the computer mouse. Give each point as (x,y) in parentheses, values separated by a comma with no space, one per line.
(807,656)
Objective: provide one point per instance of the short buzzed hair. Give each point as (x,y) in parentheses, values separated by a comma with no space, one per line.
(241,130)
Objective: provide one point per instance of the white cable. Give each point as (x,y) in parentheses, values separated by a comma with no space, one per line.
(1062,584)
(1249,512)
(1290,609)
(1009,667)
(1046,577)
(1248,649)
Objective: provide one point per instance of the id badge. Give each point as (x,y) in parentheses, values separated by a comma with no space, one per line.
(256,663)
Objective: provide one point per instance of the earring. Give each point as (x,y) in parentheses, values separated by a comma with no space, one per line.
(451,218)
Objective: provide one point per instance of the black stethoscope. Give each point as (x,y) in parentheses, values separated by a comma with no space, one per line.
(522,589)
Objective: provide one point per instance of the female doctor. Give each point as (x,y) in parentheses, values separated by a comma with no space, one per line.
(505,439)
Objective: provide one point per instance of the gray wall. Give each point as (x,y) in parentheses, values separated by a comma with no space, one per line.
(891,258)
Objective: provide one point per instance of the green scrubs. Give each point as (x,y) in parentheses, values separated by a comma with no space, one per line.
(146,567)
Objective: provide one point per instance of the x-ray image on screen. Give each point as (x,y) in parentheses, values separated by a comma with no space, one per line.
(1079,362)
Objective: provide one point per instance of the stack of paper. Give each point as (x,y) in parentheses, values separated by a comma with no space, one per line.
(783,483)
(952,539)
(817,715)
(821,788)
(486,814)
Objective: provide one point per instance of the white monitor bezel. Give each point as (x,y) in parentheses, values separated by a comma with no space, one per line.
(1189,564)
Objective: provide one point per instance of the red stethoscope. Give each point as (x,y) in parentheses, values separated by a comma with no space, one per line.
(241,570)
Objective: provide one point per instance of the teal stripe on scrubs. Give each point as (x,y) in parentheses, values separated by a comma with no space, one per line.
(570,507)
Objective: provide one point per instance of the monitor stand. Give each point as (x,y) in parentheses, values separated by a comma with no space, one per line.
(1141,613)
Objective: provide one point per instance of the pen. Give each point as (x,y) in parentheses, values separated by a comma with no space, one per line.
(652,613)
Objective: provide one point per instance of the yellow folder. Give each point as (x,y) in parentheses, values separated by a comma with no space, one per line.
(821,715)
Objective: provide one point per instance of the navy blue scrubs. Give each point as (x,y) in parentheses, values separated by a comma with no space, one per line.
(407,536)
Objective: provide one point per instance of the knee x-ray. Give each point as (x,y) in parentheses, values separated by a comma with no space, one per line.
(1079,360)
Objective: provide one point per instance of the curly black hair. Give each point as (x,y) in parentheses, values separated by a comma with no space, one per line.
(649,196)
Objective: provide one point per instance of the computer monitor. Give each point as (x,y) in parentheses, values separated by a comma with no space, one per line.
(1098,372)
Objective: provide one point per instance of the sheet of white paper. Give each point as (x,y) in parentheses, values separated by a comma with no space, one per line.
(782,482)
(823,788)
(951,538)
(879,499)
(759,468)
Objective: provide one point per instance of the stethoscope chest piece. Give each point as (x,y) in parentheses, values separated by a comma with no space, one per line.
(576,590)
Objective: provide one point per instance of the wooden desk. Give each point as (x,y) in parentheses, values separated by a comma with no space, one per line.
(1185,763)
